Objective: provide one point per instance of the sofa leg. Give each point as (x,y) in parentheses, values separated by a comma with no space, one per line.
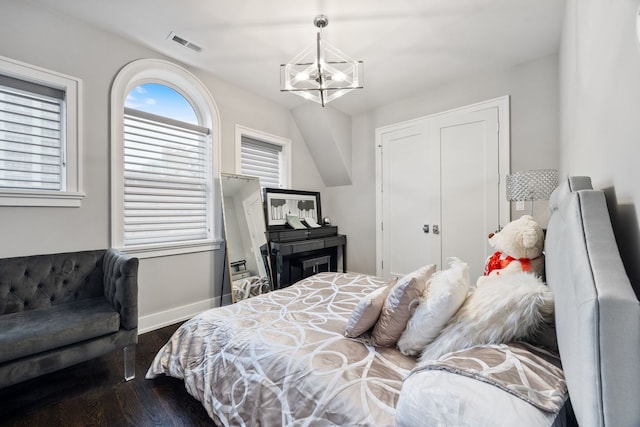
(129,362)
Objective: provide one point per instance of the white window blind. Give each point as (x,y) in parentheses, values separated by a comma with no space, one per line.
(31,136)
(165,180)
(262,159)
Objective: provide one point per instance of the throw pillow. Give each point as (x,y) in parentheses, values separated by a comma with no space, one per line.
(446,291)
(505,309)
(399,306)
(366,313)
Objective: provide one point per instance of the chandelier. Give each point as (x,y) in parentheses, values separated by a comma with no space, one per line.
(321,72)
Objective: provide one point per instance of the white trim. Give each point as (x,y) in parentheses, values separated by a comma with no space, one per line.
(266,137)
(40,198)
(166,249)
(502,104)
(187,84)
(73,192)
(172,316)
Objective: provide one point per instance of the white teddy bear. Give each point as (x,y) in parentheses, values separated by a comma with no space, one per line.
(519,247)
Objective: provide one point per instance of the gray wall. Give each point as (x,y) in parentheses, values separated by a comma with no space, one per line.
(533,90)
(599,110)
(170,287)
(596,120)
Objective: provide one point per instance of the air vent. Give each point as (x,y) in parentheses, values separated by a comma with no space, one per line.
(184,42)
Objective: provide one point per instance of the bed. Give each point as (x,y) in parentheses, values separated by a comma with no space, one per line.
(282,358)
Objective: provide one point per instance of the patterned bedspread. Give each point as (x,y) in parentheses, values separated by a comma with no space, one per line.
(281,359)
(530,373)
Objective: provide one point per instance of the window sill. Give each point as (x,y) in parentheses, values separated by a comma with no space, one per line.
(156,251)
(41,198)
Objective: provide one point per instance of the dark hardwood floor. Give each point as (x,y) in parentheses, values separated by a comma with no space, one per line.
(95,394)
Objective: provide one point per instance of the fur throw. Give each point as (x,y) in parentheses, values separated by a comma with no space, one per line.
(508,308)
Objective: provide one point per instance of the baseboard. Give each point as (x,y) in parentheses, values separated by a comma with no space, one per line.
(169,317)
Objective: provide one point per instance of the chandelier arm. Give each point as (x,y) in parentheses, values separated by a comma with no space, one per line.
(320,78)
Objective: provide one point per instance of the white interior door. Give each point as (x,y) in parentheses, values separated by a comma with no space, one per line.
(443,172)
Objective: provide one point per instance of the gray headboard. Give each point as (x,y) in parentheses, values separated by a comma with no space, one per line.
(597,312)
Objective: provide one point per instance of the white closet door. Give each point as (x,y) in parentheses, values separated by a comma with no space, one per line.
(469,184)
(410,173)
(439,190)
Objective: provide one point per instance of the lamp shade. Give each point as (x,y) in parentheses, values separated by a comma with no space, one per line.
(535,184)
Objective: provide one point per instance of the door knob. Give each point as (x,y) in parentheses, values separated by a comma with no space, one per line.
(425,228)
(436,229)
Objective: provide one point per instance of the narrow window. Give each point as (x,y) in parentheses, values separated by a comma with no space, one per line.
(263,155)
(262,159)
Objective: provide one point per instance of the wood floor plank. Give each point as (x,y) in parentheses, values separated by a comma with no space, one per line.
(94,393)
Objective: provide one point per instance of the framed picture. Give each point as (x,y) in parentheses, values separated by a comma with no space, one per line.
(303,205)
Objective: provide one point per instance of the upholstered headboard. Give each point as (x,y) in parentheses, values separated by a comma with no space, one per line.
(597,312)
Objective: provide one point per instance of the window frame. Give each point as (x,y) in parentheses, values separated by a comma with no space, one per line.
(285,143)
(72,193)
(188,85)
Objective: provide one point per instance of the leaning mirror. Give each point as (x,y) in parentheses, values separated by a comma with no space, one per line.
(246,243)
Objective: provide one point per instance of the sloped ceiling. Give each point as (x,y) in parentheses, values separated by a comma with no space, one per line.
(327,133)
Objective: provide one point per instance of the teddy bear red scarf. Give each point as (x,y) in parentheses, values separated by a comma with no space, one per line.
(498,261)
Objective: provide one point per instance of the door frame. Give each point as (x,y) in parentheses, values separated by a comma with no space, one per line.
(502,104)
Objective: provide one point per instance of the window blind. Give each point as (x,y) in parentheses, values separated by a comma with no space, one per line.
(165,180)
(31,136)
(261,159)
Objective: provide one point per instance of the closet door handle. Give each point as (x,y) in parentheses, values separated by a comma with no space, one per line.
(425,228)
(436,229)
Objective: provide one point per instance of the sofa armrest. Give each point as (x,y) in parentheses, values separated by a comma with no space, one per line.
(121,286)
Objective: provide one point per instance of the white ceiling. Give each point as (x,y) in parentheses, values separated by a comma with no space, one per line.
(407,46)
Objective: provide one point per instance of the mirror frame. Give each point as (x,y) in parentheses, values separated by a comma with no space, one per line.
(266,259)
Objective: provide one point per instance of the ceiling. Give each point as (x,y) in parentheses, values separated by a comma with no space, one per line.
(407,46)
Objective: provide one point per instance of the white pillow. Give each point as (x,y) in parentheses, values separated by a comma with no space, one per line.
(399,305)
(445,293)
(500,310)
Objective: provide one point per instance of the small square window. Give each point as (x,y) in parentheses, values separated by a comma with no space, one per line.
(266,156)
(39,137)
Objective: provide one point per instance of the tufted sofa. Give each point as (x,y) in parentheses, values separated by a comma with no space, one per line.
(61,309)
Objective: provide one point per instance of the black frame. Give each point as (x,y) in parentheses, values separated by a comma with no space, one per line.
(271,194)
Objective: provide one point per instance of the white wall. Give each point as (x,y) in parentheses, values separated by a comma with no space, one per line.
(170,287)
(533,90)
(600,111)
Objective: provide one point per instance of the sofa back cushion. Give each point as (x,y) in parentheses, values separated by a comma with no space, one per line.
(31,282)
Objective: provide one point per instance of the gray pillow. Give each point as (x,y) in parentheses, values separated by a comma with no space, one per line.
(366,313)
(399,306)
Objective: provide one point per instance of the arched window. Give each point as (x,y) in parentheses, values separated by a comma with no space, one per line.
(164,155)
